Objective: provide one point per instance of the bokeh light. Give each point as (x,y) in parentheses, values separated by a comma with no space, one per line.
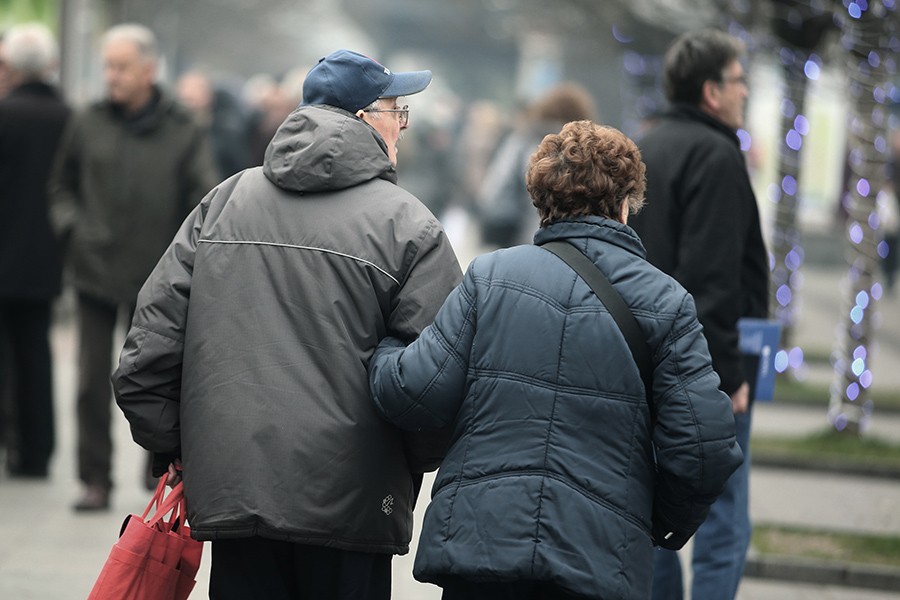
(811,70)
(781,361)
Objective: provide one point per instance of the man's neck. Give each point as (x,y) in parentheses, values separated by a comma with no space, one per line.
(708,110)
(139,103)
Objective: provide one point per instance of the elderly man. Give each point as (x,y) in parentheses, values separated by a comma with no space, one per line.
(130,169)
(246,361)
(32,119)
(701,226)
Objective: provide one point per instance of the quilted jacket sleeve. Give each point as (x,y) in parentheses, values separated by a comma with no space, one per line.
(147,382)
(422,386)
(694,435)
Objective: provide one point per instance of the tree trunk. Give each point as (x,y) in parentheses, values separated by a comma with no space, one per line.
(867,32)
(786,243)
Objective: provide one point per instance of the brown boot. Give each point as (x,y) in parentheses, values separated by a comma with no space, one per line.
(95,498)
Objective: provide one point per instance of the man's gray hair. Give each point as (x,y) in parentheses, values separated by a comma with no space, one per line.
(137,34)
(30,50)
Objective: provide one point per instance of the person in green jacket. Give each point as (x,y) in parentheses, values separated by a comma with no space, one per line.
(129,170)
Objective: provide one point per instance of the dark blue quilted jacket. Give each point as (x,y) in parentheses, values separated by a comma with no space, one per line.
(550,475)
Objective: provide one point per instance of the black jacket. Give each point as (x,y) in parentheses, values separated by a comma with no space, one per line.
(701,226)
(248,351)
(550,475)
(120,188)
(32,120)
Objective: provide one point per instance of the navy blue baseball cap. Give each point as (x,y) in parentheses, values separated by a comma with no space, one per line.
(352,81)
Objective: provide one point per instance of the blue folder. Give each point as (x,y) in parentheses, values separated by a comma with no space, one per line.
(760,337)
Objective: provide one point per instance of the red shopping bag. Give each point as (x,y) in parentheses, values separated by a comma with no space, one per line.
(153,559)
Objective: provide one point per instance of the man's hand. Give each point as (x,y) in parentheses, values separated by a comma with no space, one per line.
(740,399)
(174,473)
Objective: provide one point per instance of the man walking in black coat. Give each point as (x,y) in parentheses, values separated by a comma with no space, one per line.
(701,225)
(32,119)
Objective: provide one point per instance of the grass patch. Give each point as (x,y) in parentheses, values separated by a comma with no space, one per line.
(791,391)
(830,445)
(800,542)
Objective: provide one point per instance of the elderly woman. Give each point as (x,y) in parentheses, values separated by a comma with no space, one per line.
(551,487)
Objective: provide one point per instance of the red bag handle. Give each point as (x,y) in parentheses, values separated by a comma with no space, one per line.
(158,496)
(164,505)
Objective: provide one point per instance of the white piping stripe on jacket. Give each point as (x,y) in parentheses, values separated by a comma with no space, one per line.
(356,258)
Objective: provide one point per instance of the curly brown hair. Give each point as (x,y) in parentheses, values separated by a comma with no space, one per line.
(585,169)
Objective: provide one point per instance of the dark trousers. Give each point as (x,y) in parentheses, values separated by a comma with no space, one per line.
(97,324)
(24,330)
(262,568)
(461,589)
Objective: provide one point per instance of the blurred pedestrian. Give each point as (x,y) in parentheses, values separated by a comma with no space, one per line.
(4,71)
(482,126)
(503,208)
(130,169)
(32,119)
(223,116)
(550,488)
(889,213)
(246,361)
(271,103)
(701,225)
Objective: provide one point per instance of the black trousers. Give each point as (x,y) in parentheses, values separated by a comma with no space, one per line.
(24,333)
(461,589)
(97,323)
(261,568)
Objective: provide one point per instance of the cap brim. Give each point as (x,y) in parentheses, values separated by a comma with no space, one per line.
(407,83)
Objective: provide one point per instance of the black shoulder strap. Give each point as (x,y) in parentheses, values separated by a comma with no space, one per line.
(613,302)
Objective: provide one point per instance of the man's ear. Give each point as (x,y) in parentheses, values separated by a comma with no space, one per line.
(709,96)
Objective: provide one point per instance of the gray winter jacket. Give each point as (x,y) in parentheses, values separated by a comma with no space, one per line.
(550,475)
(248,351)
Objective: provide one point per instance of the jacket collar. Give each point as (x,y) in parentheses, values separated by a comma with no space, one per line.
(34,88)
(147,118)
(692,113)
(577,230)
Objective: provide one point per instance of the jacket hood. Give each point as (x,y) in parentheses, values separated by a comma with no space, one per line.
(322,148)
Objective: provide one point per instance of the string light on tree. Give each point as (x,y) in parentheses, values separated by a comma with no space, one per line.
(869,37)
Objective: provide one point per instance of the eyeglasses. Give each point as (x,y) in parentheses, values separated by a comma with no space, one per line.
(402,113)
(740,80)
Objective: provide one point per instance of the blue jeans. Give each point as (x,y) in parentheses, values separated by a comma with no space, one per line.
(721,542)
